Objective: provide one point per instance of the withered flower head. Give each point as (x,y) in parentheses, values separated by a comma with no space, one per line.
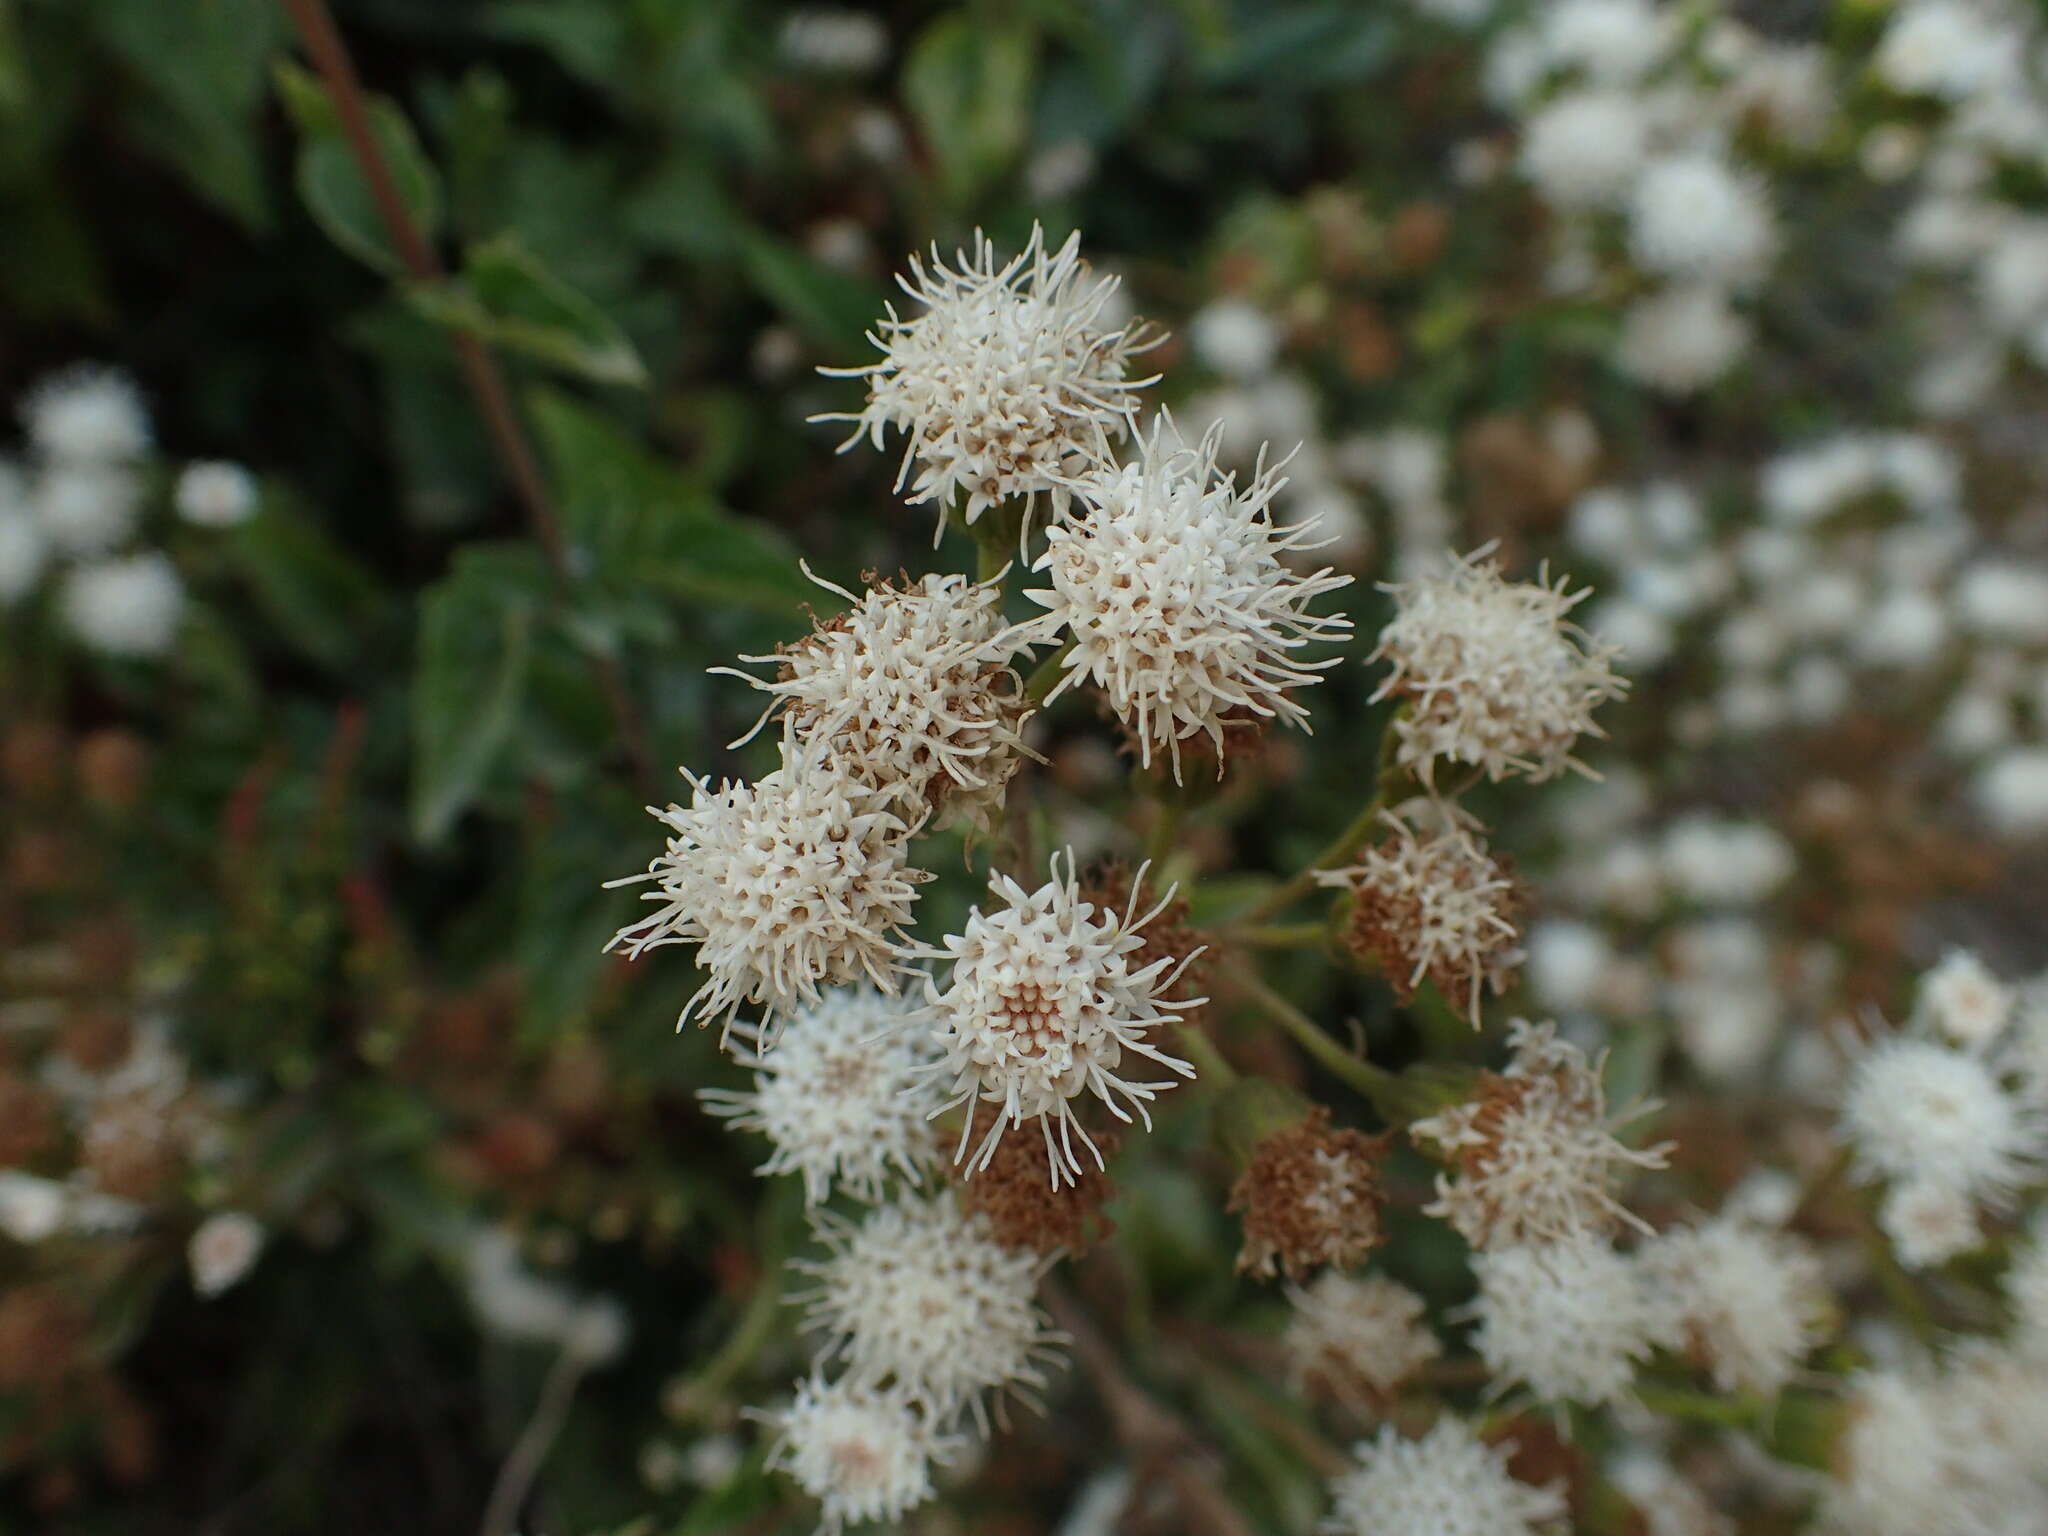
(1025,1211)
(1310,1197)
(1430,900)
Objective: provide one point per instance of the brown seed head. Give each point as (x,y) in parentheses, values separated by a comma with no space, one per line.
(1023,1209)
(1310,1196)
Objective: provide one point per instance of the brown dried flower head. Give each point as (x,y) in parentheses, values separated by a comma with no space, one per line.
(1310,1197)
(1430,900)
(132,1146)
(1025,1210)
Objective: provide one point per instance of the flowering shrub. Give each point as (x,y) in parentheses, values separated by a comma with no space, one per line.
(1364,788)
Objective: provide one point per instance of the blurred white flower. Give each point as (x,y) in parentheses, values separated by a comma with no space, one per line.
(1235,338)
(1570,1319)
(1965,1001)
(1691,216)
(1449,1481)
(863,1454)
(2012,791)
(87,414)
(222,1249)
(126,607)
(1749,1302)
(832,40)
(1681,339)
(1360,1336)
(86,509)
(216,494)
(1585,150)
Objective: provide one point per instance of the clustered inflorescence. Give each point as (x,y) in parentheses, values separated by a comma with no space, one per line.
(1175,596)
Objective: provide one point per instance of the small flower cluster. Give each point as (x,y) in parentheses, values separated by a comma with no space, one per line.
(81,502)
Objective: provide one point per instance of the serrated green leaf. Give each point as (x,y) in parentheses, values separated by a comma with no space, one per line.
(506,297)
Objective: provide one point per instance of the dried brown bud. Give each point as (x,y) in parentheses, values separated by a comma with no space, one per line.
(113,767)
(1014,1192)
(131,1146)
(41,1334)
(27,1120)
(1310,1196)
(1432,901)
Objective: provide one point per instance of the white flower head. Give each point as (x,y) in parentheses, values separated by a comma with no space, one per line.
(216,494)
(1007,383)
(86,508)
(1915,1110)
(1570,1319)
(1611,40)
(1584,150)
(87,414)
(863,1454)
(1361,1336)
(1175,589)
(787,885)
(911,691)
(1448,1483)
(1682,339)
(833,40)
(1535,1149)
(1965,1001)
(1929,1222)
(1491,672)
(921,1298)
(1042,1006)
(126,607)
(841,1095)
(1749,1302)
(222,1249)
(1694,217)
(1431,900)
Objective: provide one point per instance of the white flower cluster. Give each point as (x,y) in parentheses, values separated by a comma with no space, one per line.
(81,502)
(1949,1125)
(1447,1483)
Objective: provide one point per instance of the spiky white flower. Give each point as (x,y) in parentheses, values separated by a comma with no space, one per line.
(863,1454)
(921,1297)
(1584,150)
(1491,672)
(1433,901)
(1916,1110)
(1570,1319)
(1356,1335)
(125,607)
(841,1095)
(1682,339)
(216,494)
(788,885)
(222,1249)
(912,692)
(1692,217)
(88,413)
(1749,1302)
(1448,1483)
(1043,1004)
(1007,383)
(1175,590)
(86,509)
(1965,1001)
(1535,1149)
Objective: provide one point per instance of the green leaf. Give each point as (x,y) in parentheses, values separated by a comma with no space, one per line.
(969,85)
(319,598)
(834,309)
(333,186)
(476,639)
(506,297)
(641,523)
(202,64)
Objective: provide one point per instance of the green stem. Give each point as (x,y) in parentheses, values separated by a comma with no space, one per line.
(1312,935)
(1209,1064)
(1385,1089)
(1166,814)
(1698,1407)
(1343,845)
